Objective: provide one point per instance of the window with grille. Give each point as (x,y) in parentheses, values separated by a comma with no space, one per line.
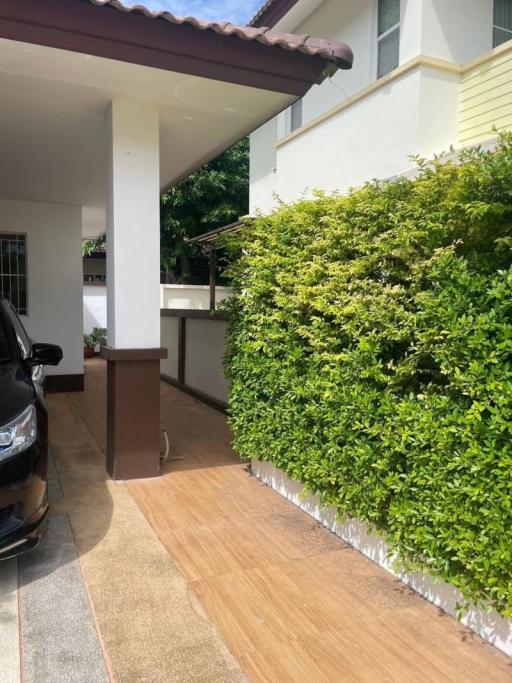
(502,24)
(388,36)
(13,270)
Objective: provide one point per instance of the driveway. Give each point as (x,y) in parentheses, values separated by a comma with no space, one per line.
(206,575)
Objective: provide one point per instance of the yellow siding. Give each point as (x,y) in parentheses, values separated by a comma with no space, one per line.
(486,97)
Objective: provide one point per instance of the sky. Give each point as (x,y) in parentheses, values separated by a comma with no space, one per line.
(235,11)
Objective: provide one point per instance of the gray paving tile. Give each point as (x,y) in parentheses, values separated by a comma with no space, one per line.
(54,487)
(9,632)
(60,642)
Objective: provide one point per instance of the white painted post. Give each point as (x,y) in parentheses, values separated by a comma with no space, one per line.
(133,226)
(133,290)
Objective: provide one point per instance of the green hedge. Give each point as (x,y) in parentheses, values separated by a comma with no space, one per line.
(370,354)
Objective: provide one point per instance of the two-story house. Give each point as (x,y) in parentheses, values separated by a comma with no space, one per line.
(427,75)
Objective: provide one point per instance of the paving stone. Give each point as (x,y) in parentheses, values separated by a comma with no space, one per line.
(59,638)
(9,632)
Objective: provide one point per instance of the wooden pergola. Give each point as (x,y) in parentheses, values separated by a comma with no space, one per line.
(209,242)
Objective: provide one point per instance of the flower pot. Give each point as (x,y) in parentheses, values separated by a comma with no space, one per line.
(88,351)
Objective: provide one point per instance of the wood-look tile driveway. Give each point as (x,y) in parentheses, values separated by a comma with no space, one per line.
(157,581)
(291,600)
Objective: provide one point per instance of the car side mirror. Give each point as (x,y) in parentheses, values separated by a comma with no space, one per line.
(45,354)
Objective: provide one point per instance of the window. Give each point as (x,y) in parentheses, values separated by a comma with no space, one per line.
(13,270)
(502,28)
(388,36)
(296,115)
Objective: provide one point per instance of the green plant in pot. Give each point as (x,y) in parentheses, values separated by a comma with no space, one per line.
(94,341)
(98,338)
(88,346)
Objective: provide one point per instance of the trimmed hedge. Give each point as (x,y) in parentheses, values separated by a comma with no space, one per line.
(370,355)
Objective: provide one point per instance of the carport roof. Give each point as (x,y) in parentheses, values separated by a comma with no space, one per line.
(338,53)
(244,55)
(65,61)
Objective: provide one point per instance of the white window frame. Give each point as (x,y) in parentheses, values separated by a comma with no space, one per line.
(382,36)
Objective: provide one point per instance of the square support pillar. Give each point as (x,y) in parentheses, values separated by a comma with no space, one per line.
(133,290)
(133,412)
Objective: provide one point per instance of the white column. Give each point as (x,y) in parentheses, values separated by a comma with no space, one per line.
(133,226)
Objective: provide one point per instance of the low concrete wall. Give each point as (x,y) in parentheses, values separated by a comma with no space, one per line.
(205,348)
(190,297)
(490,626)
(170,330)
(196,342)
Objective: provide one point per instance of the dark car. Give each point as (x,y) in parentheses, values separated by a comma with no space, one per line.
(23,435)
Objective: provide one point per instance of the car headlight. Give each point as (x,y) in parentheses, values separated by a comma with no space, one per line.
(18,434)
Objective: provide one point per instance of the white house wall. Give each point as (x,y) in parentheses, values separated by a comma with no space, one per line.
(438,111)
(54,260)
(455,30)
(373,138)
(95,307)
(352,23)
(262,176)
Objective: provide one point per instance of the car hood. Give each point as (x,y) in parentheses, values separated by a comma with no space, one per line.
(15,392)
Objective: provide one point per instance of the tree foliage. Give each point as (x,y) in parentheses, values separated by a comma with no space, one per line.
(92,246)
(213,196)
(370,355)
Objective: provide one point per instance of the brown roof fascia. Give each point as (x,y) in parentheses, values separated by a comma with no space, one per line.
(104,31)
(272,12)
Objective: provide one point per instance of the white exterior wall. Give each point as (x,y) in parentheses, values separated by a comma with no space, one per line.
(457,30)
(54,269)
(345,21)
(362,150)
(438,112)
(373,137)
(95,307)
(262,167)
(192,297)
(349,22)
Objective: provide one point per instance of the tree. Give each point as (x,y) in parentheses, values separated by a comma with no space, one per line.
(215,195)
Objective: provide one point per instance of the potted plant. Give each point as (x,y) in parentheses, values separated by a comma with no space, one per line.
(94,341)
(98,338)
(88,346)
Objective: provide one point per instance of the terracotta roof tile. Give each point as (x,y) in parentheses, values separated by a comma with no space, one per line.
(261,11)
(339,54)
